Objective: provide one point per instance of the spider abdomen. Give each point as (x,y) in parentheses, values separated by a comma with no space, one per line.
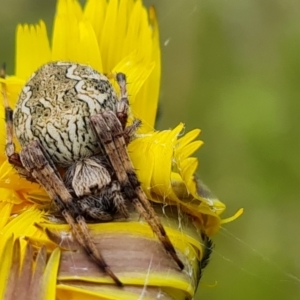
(55,107)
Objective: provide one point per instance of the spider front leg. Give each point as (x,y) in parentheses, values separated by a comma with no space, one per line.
(123,104)
(36,161)
(12,156)
(122,110)
(109,130)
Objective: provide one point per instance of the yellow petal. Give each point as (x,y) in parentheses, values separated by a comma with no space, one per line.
(22,225)
(50,276)
(5,211)
(21,273)
(109,35)
(147,99)
(65,38)
(5,264)
(32,49)
(137,72)
(88,49)
(234,217)
(94,11)
(10,179)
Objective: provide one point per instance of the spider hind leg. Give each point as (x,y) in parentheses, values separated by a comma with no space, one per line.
(109,131)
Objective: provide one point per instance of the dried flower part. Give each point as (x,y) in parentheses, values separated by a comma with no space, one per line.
(129,247)
(26,274)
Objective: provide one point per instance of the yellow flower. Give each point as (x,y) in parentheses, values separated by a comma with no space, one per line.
(111,36)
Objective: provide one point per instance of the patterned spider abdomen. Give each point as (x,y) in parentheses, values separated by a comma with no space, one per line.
(55,107)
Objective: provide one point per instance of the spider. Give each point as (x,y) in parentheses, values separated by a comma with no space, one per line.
(72,129)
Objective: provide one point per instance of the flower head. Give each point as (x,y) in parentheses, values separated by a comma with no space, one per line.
(110,36)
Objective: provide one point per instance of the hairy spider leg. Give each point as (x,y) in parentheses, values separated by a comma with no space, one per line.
(12,156)
(122,110)
(109,131)
(123,103)
(121,138)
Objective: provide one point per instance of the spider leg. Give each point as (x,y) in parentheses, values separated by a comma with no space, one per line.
(129,131)
(109,130)
(12,156)
(123,103)
(39,165)
(113,192)
(122,110)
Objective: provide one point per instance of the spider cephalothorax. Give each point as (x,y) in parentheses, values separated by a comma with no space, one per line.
(68,116)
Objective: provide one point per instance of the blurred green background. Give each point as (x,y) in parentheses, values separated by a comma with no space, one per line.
(231,68)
